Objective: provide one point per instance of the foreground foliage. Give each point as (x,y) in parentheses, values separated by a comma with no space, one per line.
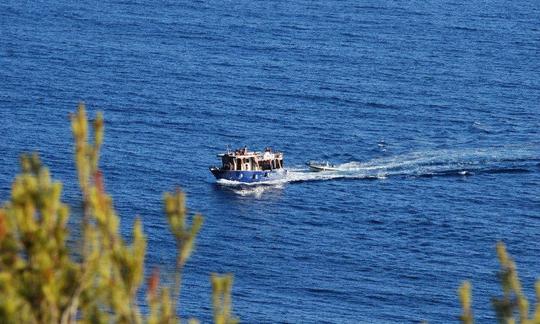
(513,306)
(42,281)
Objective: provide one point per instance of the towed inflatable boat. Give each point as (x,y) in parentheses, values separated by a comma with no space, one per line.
(318,166)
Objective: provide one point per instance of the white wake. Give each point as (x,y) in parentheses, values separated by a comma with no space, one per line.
(448,162)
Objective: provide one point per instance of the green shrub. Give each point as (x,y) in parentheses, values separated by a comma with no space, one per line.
(42,281)
(512,303)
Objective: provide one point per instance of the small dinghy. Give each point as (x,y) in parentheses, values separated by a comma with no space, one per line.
(324,166)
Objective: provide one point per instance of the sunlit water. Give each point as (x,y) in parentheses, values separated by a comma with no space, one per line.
(430,111)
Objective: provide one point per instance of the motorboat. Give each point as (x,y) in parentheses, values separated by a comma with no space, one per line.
(247,166)
(321,166)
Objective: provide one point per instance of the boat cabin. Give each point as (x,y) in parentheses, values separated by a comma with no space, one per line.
(244,160)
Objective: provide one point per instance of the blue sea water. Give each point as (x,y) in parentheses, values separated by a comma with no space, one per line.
(430,109)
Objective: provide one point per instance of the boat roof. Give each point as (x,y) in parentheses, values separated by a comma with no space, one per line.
(245,153)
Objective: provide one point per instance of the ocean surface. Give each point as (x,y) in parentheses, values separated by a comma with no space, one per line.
(431,110)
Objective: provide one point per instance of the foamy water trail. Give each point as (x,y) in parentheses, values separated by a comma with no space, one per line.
(458,162)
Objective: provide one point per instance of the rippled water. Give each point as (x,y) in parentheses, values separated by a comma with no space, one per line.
(431,111)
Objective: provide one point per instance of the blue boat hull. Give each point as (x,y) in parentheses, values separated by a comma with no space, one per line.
(248,176)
